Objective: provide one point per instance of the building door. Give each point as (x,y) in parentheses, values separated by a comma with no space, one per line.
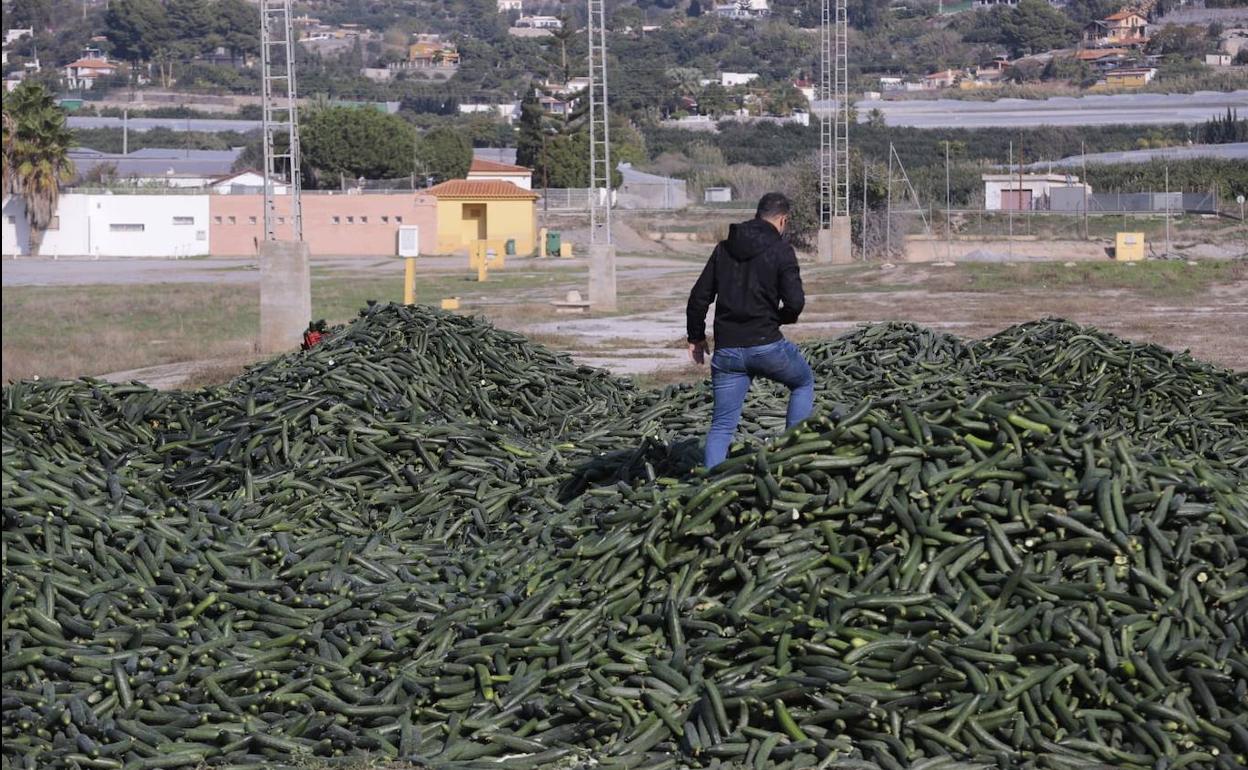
(474,225)
(1016,200)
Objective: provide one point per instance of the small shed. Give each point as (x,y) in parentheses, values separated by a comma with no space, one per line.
(1025,192)
(477,210)
(717,195)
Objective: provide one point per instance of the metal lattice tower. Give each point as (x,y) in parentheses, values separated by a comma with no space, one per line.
(840,86)
(834,117)
(827,168)
(599,127)
(280,116)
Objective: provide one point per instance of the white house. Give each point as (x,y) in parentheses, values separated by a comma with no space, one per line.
(1218,59)
(245,182)
(744,9)
(508,111)
(1024,192)
(488,170)
(730,79)
(538,22)
(505,6)
(83,73)
(109,225)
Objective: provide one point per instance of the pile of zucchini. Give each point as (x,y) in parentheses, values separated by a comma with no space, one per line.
(431,541)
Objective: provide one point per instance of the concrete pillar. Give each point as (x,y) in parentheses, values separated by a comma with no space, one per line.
(823,253)
(602,276)
(285,295)
(842,241)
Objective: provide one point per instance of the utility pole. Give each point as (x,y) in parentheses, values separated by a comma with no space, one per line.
(602,291)
(1167,208)
(1083,156)
(948,221)
(285,281)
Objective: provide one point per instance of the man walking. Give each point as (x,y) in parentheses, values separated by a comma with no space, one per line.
(753,279)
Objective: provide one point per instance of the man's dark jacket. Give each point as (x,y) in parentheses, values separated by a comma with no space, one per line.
(753,279)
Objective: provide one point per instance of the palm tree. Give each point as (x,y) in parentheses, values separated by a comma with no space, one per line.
(36,155)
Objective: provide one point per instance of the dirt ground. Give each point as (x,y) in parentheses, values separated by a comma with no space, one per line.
(1201,306)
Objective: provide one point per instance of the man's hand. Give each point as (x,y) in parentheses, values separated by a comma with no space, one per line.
(697,352)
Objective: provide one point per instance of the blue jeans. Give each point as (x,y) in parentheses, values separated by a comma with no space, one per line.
(732,370)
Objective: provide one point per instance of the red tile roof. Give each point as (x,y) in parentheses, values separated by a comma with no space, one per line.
(480,166)
(480,189)
(98,64)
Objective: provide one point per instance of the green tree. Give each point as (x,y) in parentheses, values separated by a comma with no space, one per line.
(36,14)
(715,100)
(694,10)
(1175,40)
(356,142)
(444,153)
(531,132)
(137,29)
(36,155)
(191,27)
(1070,69)
(237,23)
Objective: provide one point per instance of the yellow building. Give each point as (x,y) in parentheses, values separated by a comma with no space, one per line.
(473,210)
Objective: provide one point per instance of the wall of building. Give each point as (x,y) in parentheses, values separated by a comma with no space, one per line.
(104,225)
(333,225)
(504,220)
(16,228)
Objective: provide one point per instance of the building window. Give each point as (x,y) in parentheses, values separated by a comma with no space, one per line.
(55,224)
(385,218)
(350,220)
(217,220)
(363,220)
(184,220)
(251,220)
(281,220)
(11,219)
(126,228)
(233,221)
(398,218)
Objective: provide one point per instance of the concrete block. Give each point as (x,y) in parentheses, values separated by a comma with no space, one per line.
(602,276)
(285,295)
(842,241)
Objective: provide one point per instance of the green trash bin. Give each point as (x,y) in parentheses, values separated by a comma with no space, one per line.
(554,240)
(510,249)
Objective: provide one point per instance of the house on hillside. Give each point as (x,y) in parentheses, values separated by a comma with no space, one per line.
(82,74)
(1124,28)
(744,10)
(943,79)
(507,6)
(1102,58)
(538,22)
(11,36)
(431,52)
(734,79)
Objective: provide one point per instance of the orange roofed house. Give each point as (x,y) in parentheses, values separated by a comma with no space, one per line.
(1127,27)
(487,170)
(470,210)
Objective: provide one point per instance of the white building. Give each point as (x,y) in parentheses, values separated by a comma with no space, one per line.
(744,9)
(110,225)
(508,111)
(1024,192)
(538,22)
(82,74)
(489,170)
(731,79)
(506,6)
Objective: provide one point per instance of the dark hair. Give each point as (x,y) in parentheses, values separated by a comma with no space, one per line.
(773,205)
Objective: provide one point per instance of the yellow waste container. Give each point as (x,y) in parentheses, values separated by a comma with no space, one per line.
(1129,247)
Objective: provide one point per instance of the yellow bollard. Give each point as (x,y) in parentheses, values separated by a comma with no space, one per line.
(541,242)
(482,271)
(409,282)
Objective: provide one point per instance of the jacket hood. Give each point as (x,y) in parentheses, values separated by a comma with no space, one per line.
(747,240)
